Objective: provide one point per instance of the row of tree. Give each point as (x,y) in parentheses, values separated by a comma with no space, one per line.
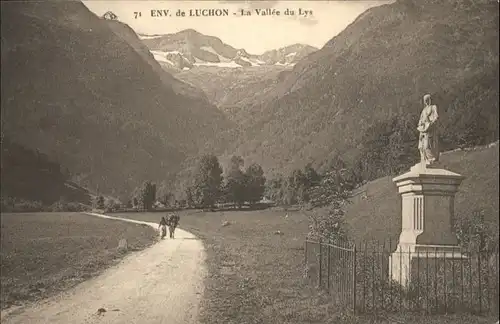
(207,187)
(294,188)
(299,186)
(239,186)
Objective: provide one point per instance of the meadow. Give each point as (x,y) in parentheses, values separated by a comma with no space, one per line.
(255,259)
(256,272)
(44,253)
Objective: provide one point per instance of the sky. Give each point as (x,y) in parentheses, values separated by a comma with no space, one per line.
(254,33)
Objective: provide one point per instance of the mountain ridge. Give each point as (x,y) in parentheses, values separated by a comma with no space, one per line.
(188,48)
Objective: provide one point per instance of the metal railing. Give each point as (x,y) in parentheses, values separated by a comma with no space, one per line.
(369,279)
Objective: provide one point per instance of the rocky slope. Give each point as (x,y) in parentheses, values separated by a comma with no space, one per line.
(231,90)
(188,48)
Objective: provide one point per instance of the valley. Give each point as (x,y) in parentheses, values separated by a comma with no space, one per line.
(318,109)
(268,153)
(167,99)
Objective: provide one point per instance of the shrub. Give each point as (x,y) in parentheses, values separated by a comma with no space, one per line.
(63,206)
(9,204)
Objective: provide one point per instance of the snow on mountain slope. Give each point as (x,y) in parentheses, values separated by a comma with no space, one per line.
(173,59)
(141,37)
(231,64)
(202,50)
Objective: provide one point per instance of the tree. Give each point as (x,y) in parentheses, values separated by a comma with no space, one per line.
(389,146)
(147,195)
(274,189)
(99,203)
(280,190)
(475,233)
(311,180)
(165,193)
(296,183)
(167,199)
(332,193)
(235,187)
(255,183)
(208,180)
(135,202)
(111,205)
(189,197)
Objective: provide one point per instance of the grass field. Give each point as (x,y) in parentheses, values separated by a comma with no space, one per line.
(256,276)
(43,253)
(255,273)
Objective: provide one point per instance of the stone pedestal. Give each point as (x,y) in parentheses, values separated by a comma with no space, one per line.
(428,199)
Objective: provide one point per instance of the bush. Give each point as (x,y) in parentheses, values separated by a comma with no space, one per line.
(63,206)
(14,205)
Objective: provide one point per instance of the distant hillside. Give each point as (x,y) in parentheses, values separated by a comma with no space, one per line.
(233,89)
(189,48)
(82,95)
(31,176)
(288,55)
(375,212)
(379,67)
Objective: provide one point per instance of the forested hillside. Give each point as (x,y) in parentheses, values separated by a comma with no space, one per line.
(31,177)
(362,92)
(82,95)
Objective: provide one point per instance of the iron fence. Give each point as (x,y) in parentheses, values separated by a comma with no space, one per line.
(368,279)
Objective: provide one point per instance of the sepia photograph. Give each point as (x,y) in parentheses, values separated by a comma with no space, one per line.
(249,162)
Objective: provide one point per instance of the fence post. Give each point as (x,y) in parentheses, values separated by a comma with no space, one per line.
(320,270)
(305,255)
(328,268)
(354,280)
(479,280)
(496,274)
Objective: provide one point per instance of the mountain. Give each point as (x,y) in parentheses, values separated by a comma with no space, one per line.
(128,35)
(75,88)
(231,78)
(378,68)
(188,48)
(288,55)
(233,89)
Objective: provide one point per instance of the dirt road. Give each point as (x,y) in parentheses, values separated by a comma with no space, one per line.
(162,284)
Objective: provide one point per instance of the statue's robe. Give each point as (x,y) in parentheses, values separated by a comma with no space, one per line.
(429,138)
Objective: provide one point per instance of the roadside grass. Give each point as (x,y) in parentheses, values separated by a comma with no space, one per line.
(44,253)
(257,276)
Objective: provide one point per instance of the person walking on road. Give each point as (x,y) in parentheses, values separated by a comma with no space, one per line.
(163,226)
(173,221)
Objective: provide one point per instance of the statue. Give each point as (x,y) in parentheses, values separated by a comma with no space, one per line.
(427,126)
